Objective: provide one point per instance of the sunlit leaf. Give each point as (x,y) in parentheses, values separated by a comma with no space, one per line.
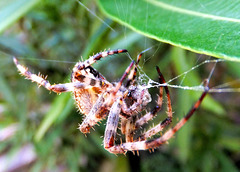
(206,27)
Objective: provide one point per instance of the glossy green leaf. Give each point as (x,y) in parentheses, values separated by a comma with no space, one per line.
(206,27)
(11,10)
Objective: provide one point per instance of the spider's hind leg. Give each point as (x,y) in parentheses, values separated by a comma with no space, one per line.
(154,143)
(150,115)
(169,134)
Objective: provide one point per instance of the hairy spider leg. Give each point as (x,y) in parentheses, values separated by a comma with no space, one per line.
(58,88)
(130,128)
(163,81)
(113,117)
(112,124)
(128,122)
(96,114)
(123,76)
(133,73)
(98,56)
(123,123)
(154,143)
(129,125)
(117,88)
(149,116)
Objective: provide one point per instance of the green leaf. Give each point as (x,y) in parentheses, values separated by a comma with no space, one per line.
(225,162)
(230,143)
(11,10)
(206,27)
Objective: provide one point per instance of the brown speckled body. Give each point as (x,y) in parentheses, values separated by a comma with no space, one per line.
(86,97)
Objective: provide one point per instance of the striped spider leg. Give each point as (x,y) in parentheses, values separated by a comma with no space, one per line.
(129,123)
(58,88)
(104,102)
(88,85)
(143,144)
(150,115)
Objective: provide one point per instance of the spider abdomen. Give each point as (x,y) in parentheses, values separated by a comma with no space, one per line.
(86,98)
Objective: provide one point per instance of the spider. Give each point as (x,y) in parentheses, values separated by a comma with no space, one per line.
(125,100)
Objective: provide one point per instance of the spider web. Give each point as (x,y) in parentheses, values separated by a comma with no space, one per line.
(144,79)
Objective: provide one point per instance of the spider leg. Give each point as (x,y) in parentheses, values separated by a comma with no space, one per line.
(130,124)
(156,109)
(98,56)
(114,113)
(123,77)
(97,113)
(154,130)
(128,121)
(130,128)
(151,144)
(123,124)
(58,88)
(99,109)
(133,73)
(124,118)
(111,127)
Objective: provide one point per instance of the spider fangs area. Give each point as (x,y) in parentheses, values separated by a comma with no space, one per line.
(121,101)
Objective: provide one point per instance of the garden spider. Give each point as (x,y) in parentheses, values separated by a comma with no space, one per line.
(97,98)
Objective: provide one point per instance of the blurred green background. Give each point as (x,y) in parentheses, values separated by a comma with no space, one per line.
(38,130)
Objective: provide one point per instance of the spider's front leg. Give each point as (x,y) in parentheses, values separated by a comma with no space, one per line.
(111,128)
(98,56)
(133,73)
(58,88)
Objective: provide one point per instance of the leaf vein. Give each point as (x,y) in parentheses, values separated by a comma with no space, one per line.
(189,12)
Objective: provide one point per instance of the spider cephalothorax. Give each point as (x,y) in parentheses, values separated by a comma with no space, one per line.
(98,98)
(135,99)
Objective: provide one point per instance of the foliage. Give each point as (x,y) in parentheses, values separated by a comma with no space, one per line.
(34,124)
(200,26)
